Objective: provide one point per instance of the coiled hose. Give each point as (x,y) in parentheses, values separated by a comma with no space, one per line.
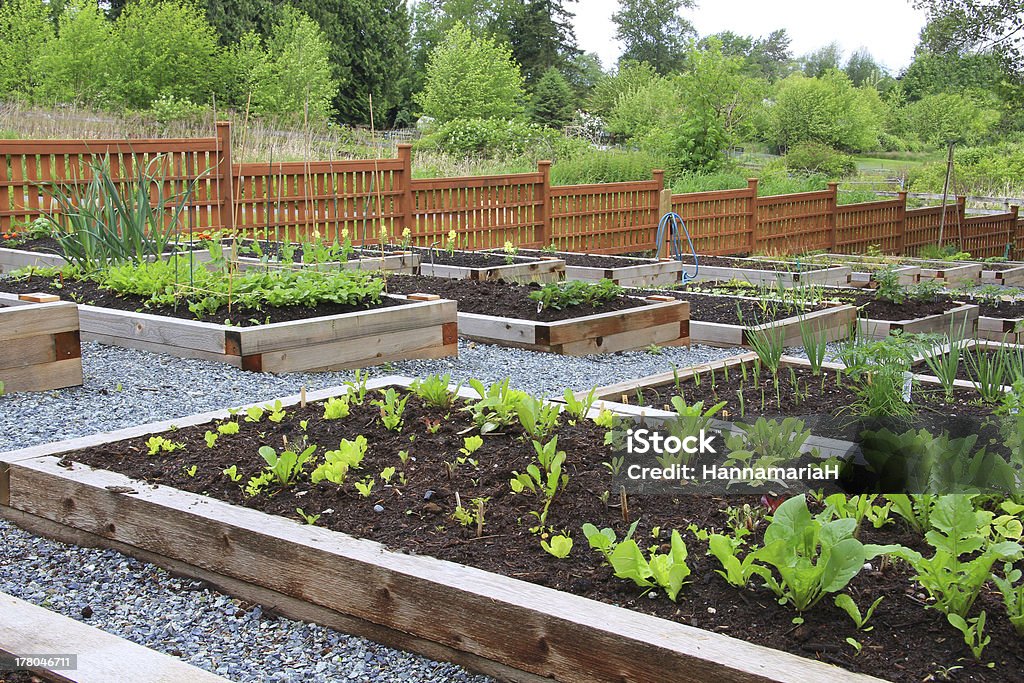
(669,228)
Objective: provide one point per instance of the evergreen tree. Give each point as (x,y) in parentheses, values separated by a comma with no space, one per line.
(652,31)
(552,102)
(542,36)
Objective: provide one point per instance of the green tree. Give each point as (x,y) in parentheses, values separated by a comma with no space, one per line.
(725,93)
(943,118)
(292,76)
(26,30)
(962,26)
(826,58)
(234,18)
(630,77)
(552,100)
(652,31)
(541,36)
(369,50)
(584,72)
(75,67)
(862,69)
(931,73)
(471,77)
(828,110)
(769,57)
(164,48)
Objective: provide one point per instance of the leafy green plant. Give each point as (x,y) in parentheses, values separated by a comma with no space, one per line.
(668,570)
(538,418)
(232,473)
(963,554)
(308,519)
(391,409)
(766,443)
(337,463)
(254,414)
(286,466)
(769,345)
(158,444)
(357,387)
(365,487)
(689,420)
(846,603)
(544,476)
(561,295)
(973,631)
(497,407)
(815,343)
(1013,595)
(812,557)
(336,408)
(878,370)
(434,391)
(211,438)
(560,546)
(578,408)
(227,428)
(471,444)
(734,570)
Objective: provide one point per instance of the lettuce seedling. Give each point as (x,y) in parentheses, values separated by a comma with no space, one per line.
(537,418)
(387,473)
(846,603)
(228,428)
(669,571)
(559,547)
(211,438)
(254,414)
(336,408)
(286,466)
(158,444)
(470,445)
(337,463)
(737,572)
(433,391)
(1013,596)
(973,631)
(308,519)
(578,408)
(391,409)
(232,473)
(365,488)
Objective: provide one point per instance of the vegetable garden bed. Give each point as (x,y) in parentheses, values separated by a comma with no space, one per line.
(1008,274)
(949,273)
(864,268)
(957,316)
(564,628)
(503,313)
(269,255)
(15,259)
(623,271)
(40,345)
(484,265)
(758,271)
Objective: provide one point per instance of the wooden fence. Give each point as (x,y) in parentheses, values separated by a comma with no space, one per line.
(363,199)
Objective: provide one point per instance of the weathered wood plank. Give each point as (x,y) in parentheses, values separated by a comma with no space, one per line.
(100,656)
(496,329)
(128,327)
(43,376)
(15,259)
(606,324)
(666,334)
(37,319)
(354,351)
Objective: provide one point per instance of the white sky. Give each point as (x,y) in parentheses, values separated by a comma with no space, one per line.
(887,28)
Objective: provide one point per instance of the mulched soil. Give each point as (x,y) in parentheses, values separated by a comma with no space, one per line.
(588,260)
(907,643)
(1004,309)
(1000,267)
(723,309)
(43,245)
(90,293)
(504,299)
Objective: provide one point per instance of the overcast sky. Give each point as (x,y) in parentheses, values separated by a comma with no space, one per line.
(887,28)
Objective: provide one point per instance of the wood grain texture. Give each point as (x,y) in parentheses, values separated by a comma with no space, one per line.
(101,657)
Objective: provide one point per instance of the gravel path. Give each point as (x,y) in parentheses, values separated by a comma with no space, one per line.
(143,603)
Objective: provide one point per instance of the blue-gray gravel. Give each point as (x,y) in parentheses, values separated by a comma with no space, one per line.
(125,387)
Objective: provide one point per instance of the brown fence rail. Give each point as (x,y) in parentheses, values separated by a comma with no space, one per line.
(368,200)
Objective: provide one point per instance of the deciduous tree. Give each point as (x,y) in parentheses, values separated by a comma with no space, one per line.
(653,31)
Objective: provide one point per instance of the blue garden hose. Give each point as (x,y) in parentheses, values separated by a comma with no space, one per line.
(668,228)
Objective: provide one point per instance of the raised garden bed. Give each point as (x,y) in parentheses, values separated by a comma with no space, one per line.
(550,627)
(863,268)
(951,273)
(624,271)
(757,271)
(242,254)
(502,313)
(40,347)
(483,265)
(287,339)
(1008,274)
(15,259)
(726,320)
(880,319)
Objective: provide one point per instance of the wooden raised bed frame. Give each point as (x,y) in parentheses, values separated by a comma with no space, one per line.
(15,259)
(1009,330)
(544,271)
(505,627)
(422,329)
(40,345)
(906,274)
(831,275)
(646,272)
(962,314)
(393,263)
(1011,277)
(664,323)
(835,322)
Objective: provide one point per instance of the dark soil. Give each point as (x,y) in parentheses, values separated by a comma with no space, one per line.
(969,359)
(43,245)
(723,309)
(588,260)
(504,299)
(22,676)
(90,293)
(465,259)
(1003,309)
(907,643)
(1000,267)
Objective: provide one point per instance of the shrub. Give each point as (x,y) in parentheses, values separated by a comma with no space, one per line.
(814,157)
(495,137)
(605,166)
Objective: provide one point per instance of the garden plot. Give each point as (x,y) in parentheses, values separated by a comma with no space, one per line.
(40,346)
(989,368)
(622,270)
(249,253)
(484,265)
(288,321)
(571,318)
(951,273)
(727,320)
(457,536)
(762,272)
(863,269)
(1008,273)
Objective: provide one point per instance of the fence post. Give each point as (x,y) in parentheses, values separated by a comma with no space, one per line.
(961,215)
(752,216)
(664,207)
(833,215)
(901,224)
(659,207)
(1015,226)
(543,217)
(225,177)
(406,209)
(5,196)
